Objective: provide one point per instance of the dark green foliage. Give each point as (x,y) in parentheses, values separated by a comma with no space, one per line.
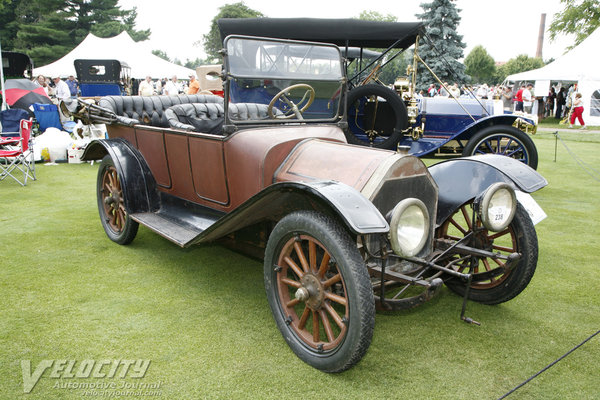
(444,47)
(580,18)
(212,41)
(48,29)
(521,63)
(481,67)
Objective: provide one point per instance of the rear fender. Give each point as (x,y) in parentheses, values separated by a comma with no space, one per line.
(476,126)
(461,180)
(341,201)
(139,186)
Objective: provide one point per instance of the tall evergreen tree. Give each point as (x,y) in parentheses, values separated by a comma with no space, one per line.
(444,47)
(48,29)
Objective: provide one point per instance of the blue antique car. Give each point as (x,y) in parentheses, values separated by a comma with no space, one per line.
(382,117)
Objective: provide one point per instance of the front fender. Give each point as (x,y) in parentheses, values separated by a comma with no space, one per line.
(137,182)
(461,180)
(341,201)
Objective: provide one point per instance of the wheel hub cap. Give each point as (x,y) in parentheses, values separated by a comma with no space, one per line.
(312,291)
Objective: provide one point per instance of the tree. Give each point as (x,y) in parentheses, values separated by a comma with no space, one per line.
(521,63)
(481,67)
(444,47)
(212,41)
(48,29)
(162,54)
(579,18)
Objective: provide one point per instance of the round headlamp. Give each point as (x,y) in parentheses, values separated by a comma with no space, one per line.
(497,206)
(409,227)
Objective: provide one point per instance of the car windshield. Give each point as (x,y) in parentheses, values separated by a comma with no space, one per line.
(283,80)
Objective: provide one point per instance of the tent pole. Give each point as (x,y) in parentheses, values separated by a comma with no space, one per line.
(4,105)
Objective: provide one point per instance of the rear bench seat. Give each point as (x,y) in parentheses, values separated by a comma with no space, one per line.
(198,113)
(150,110)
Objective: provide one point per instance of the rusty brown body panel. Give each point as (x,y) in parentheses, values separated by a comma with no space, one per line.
(249,159)
(318,160)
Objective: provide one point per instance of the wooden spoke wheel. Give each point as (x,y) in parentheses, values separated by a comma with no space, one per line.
(319,291)
(518,237)
(117,224)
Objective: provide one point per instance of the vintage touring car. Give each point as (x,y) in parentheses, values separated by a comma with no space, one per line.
(342,229)
(379,116)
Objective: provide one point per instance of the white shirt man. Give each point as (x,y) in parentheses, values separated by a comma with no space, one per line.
(528,99)
(146,87)
(171,88)
(61,91)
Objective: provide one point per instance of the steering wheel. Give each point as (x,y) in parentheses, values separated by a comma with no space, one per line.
(295,109)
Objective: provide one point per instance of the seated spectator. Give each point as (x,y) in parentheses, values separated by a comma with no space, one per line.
(62,91)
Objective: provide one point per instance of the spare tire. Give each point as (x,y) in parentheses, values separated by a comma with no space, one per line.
(376,117)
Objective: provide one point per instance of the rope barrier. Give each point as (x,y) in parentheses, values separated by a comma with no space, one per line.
(547,367)
(581,163)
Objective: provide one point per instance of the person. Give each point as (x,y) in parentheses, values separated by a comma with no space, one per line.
(550,102)
(171,88)
(62,91)
(560,102)
(73,86)
(577,111)
(431,92)
(519,99)
(194,85)
(454,90)
(507,96)
(482,91)
(146,87)
(41,81)
(528,98)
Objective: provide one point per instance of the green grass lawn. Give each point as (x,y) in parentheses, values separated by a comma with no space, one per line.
(200,314)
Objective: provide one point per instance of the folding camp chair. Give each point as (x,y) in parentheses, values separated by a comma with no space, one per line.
(18,158)
(47,116)
(10,120)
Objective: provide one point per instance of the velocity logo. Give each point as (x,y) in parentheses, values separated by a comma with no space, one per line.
(98,369)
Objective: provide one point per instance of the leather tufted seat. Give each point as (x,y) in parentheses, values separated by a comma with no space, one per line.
(150,110)
(208,117)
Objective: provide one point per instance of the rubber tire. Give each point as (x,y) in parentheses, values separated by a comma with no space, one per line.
(397,105)
(516,134)
(128,233)
(358,287)
(520,276)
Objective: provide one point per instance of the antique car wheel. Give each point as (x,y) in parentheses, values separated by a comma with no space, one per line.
(319,291)
(518,237)
(116,222)
(505,140)
(372,122)
(294,109)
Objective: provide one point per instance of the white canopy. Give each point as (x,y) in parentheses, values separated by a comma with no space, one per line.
(122,48)
(582,65)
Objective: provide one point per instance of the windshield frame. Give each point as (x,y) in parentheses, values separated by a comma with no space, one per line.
(229,77)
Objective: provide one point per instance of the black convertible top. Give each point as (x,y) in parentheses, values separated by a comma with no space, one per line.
(342,32)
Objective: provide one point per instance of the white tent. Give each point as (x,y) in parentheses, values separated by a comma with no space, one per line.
(580,65)
(122,48)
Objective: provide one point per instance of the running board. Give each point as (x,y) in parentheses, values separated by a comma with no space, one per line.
(178,222)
